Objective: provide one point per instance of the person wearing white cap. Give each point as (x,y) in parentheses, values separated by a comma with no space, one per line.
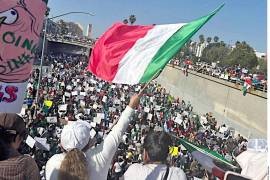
(79,162)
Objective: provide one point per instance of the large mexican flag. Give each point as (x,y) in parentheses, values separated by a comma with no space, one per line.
(129,54)
(208,158)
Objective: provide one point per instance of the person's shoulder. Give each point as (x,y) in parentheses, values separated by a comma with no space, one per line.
(56,158)
(178,173)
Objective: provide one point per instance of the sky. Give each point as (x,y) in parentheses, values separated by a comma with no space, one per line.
(239,20)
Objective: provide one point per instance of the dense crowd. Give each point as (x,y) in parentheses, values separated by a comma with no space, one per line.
(69,93)
(235,74)
(70,38)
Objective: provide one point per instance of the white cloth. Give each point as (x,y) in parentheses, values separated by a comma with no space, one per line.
(153,172)
(249,161)
(99,158)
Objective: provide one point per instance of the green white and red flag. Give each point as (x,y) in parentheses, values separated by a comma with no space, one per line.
(129,54)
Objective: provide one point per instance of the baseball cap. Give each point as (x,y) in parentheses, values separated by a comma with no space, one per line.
(76,134)
(13,123)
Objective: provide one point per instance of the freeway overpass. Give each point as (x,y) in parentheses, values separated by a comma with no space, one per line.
(246,114)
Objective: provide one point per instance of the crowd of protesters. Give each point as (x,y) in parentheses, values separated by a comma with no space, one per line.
(235,74)
(69,97)
(70,38)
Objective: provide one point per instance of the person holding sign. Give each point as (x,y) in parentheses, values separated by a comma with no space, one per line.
(79,161)
(14,165)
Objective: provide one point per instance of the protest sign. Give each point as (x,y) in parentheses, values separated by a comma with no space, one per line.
(157,108)
(62,107)
(19,34)
(30,141)
(74,93)
(91,88)
(146,109)
(97,120)
(178,120)
(112,109)
(101,115)
(87,111)
(93,133)
(104,99)
(67,94)
(95,106)
(93,124)
(149,116)
(82,103)
(113,86)
(69,87)
(125,87)
(51,119)
(41,143)
(82,93)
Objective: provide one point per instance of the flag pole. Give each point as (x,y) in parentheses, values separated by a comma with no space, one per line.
(154,77)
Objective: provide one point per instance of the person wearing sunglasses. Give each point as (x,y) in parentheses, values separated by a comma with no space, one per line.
(13,165)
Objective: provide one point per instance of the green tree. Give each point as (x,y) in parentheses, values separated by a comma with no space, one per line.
(208,40)
(216,38)
(262,66)
(201,37)
(63,27)
(125,21)
(244,55)
(132,19)
(215,52)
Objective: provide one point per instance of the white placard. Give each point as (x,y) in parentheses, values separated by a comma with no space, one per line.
(93,133)
(93,81)
(22,113)
(69,87)
(62,107)
(80,97)
(125,87)
(110,125)
(100,133)
(87,111)
(93,124)
(95,106)
(74,93)
(42,144)
(51,119)
(101,115)
(30,141)
(146,109)
(113,86)
(40,130)
(185,113)
(178,120)
(149,116)
(97,120)
(91,88)
(112,109)
(157,108)
(82,93)
(67,94)
(104,99)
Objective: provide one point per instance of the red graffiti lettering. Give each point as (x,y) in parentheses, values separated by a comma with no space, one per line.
(11,92)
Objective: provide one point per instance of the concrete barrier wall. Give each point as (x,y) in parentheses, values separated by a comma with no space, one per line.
(246,114)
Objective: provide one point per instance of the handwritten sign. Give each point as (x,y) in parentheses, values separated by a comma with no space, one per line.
(51,119)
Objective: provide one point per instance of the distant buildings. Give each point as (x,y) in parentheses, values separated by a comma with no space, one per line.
(89,31)
(74,29)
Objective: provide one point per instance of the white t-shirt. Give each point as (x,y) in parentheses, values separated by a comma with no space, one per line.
(153,172)
(99,158)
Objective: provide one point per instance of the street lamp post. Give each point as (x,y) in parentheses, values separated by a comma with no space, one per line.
(43,45)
